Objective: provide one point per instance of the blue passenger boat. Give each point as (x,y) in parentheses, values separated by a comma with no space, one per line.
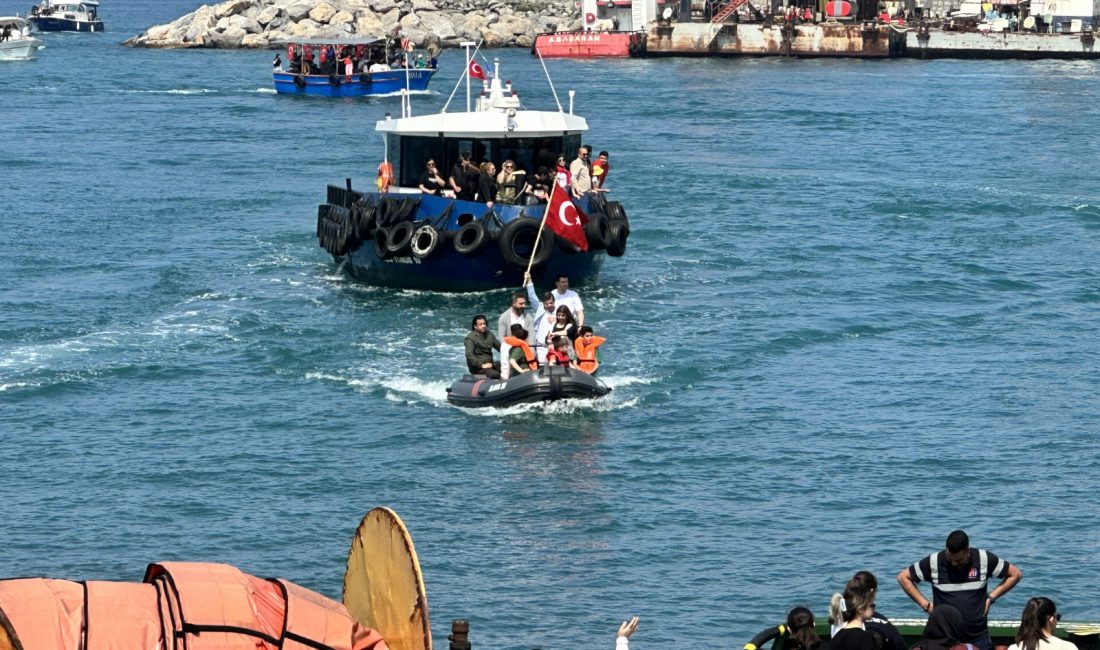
(73,16)
(396,236)
(351,68)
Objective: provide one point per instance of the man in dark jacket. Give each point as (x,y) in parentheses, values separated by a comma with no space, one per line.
(480,343)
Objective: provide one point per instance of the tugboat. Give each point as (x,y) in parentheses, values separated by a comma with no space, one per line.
(546,384)
(76,16)
(360,67)
(396,236)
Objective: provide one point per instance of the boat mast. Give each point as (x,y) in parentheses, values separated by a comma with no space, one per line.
(467,45)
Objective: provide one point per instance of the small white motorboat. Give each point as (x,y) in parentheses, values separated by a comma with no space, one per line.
(16,42)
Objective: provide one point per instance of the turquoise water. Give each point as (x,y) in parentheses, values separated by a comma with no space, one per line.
(858,310)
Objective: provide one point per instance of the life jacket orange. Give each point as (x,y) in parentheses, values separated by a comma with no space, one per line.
(192,605)
(528,354)
(290,52)
(324,54)
(586,354)
(385,176)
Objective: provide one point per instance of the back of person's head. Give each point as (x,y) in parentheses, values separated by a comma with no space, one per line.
(846,606)
(943,630)
(1033,622)
(485,166)
(957,541)
(559,342)
(543,171)
(518,331)
(473,323)
(867,579)
(800,625)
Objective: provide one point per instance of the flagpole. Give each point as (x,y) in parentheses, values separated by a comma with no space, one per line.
(538,238)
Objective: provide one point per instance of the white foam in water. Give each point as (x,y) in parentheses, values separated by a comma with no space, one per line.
(265,91)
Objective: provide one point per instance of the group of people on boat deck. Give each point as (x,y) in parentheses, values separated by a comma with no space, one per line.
(957,613)
(348,59)
(555,334)
(468,181)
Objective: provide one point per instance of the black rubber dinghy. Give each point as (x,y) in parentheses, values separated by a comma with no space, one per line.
(542,385)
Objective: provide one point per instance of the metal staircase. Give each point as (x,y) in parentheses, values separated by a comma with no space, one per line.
(727,10)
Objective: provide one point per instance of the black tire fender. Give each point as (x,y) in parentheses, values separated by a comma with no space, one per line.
(424,241)
(333,79)
(470,238)
(381,234)
(761,639)
(517,239)
(397,241)
(598,231)
(299,81)
(620,231)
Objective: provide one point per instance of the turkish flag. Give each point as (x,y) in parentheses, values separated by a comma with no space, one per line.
(565,219)
(476,71)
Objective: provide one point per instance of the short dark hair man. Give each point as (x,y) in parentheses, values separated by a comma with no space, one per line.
(959,575)
(480,344)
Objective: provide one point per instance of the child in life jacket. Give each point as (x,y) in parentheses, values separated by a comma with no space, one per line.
(586,346)
(558,354)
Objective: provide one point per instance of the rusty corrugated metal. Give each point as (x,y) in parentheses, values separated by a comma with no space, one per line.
(779,39)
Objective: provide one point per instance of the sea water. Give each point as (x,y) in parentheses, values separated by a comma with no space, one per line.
(858,310)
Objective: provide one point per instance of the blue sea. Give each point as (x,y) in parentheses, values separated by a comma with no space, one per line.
(858,310)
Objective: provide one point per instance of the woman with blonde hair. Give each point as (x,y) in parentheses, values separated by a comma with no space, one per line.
(849,610)
(1037,624)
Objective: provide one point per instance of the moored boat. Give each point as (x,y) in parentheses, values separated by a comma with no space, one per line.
(607,30)
(73,16)
(16,42)
(351,68)
(545,384)
(397,236)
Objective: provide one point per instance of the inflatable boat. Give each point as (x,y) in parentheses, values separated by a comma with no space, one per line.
(543,385)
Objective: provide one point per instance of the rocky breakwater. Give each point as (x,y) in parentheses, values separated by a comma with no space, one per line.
(263,23)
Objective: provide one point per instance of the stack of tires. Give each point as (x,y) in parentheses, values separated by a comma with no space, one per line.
(608,227)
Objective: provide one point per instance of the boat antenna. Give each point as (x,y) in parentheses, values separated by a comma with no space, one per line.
(549,80)
(406,100)
(465,75)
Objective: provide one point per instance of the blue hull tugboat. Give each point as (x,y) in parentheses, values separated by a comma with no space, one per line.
(74,16)
(350,68)
(396,236)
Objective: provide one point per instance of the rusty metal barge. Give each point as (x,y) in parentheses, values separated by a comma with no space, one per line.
(787,38)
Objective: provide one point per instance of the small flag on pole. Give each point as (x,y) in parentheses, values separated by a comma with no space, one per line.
(476,71)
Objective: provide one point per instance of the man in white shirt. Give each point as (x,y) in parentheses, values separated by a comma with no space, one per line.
(544,316)
(563,295)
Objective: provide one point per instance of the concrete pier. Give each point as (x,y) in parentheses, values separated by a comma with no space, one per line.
(778,39)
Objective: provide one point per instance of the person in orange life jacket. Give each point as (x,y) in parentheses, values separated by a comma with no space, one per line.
(521,358)
(558,355)
(587,345)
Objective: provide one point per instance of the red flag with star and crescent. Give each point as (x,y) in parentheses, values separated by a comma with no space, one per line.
(476,71)
(565,219)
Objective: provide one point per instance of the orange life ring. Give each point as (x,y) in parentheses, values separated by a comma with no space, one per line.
(385,176)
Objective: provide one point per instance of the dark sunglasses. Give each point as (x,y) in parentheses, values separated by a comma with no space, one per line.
(1058,616)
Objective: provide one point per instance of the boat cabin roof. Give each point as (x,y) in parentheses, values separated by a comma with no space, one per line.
(330,41)
(485,124)
(12,21)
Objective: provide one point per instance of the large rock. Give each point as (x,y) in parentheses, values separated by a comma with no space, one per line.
(382,6)
(493,38)
(257,41)
(511,26)
(303,29)
(390,19)
(424,5)
(368,24)
(299,9)
(268,14)
(342,19)
(229,38)
(438,24)
(322,13)
(232,7)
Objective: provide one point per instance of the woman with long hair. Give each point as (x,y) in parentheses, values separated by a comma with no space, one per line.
(1037,624)
(850,609)
(564,325)
(800,625)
